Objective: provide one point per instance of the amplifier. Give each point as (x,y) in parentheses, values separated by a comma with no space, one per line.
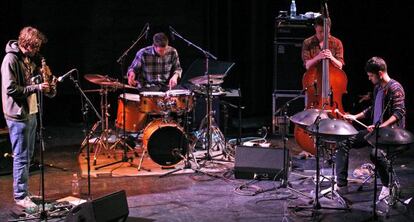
(254,162)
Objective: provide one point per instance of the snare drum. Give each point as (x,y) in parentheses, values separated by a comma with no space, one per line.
(152,102)
(134,119)
(165,142)
(179,100)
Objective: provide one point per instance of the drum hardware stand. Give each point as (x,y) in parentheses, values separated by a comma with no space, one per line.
(102,140)
(121,61)
(316,204)
(207,55)
(187,162)
(393,185)
(333,192)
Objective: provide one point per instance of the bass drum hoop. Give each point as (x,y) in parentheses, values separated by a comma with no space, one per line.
(160,140)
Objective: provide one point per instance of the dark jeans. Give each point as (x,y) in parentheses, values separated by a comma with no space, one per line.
(342,159)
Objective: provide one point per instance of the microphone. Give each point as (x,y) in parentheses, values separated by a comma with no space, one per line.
(172,33)
(8,155)
(315,86)
(63,77)
(147,30)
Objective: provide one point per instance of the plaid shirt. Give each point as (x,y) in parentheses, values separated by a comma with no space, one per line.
(394,95)
(150,68)
(311,48)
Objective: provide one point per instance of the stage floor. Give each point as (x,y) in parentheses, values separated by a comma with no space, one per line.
(216,196)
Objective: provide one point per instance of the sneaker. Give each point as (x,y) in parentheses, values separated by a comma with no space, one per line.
(26,203)
(385,192)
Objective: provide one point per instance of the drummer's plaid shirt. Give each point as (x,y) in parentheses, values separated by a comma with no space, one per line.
(150,68)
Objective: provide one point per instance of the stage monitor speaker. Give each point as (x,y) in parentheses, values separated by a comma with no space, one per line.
(255,162)
(110,208)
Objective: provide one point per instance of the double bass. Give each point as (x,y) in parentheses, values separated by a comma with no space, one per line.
(330,84)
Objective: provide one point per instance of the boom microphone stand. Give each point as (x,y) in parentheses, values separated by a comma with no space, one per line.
(85,111)
(286,160)
(207,55)
(121,61)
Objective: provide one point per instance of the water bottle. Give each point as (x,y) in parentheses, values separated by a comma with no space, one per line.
(75,185)
(293,9)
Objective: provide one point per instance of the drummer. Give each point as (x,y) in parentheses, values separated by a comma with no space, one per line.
(156,67)
(387,109)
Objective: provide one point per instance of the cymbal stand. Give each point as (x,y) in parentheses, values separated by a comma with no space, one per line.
(209,133)
(102,140)
(121,61)
(210,130)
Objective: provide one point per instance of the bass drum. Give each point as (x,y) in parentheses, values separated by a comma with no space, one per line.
(165,142)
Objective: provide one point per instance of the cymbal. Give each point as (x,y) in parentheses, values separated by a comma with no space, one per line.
(307,117)
(116,84)
(215,79)
(97,78)
(390,136)
(106,81)
(333,129)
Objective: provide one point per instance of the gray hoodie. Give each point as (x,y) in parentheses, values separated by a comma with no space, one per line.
(14,88)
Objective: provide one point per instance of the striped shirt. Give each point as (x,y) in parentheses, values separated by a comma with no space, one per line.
(150,68)
(393,102)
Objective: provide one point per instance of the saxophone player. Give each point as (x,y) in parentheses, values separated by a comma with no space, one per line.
(19,101)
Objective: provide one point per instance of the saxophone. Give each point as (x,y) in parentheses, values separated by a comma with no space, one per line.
(47,75)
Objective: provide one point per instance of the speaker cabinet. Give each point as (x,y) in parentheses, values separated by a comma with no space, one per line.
(288,39)
(253,162)
(110,208)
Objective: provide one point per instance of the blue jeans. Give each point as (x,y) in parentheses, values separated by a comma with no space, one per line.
(23,139)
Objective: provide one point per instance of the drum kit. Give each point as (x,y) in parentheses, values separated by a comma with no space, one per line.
(159,116)
(328,133)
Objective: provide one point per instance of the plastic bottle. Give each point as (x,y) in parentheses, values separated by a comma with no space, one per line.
(75,185)
(293,9)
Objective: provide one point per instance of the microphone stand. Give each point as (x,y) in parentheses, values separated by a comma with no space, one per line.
(85,111)
(121,61)
(285,171)
(207,55)
(376,130)
(43,216)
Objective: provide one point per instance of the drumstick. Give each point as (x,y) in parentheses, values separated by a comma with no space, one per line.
(357,121)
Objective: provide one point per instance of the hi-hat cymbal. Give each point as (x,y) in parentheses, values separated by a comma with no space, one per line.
(307,117)
(334,129)
(390,136)
(215,79)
